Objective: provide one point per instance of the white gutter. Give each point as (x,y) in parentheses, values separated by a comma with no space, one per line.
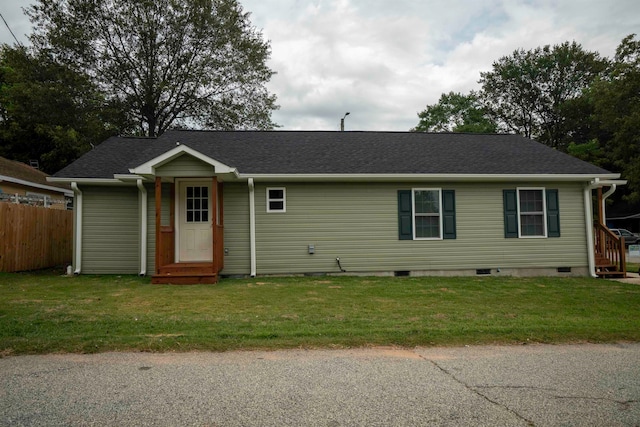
(252,226)
(123,179)
(78,214)
(604,197)
(143,229)
(392,177)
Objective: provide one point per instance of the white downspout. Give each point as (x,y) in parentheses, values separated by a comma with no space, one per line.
(143,229)
(252,226)
(604,197)
(78,214)
(588,215)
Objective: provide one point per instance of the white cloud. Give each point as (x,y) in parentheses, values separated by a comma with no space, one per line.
(16,21)
(384,61)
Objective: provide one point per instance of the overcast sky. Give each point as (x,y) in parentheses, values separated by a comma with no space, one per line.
(385,60)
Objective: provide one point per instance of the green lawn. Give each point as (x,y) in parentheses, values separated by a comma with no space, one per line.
(45,312)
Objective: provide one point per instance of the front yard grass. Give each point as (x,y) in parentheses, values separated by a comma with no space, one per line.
(45,313)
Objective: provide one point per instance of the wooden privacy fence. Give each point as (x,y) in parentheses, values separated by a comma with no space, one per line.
(34,237)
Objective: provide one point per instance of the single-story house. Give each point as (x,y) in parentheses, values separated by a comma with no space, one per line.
(191,206)
(22,183)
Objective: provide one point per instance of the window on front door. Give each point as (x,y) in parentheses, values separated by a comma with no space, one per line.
(197,204)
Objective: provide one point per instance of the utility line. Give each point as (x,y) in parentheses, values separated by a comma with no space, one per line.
(9,28)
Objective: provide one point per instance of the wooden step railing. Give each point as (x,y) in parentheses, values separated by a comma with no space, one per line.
(610,252)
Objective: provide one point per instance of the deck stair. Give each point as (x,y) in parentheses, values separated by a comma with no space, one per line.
(607,268)
(609,253)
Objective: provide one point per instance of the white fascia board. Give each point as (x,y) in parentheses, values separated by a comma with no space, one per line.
(148,168)
(33,184)
(608,182)
(432,177)
(126,177)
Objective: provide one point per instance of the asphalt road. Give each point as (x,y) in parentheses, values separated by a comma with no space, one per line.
(528,385)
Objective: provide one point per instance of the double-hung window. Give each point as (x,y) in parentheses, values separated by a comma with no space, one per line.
(276,200)
(427,221)
(531,213)
(531,210)
(426,214)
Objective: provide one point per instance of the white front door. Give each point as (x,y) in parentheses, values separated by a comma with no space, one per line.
(194,221)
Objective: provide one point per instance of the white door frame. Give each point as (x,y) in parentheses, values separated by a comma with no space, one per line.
(178,199)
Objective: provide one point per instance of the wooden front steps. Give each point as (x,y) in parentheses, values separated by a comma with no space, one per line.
(186,273)
(609,253)
(605,268)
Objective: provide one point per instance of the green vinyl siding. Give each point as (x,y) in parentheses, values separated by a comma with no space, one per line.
(185,166)
(110,232)
(236,229)
(359,224)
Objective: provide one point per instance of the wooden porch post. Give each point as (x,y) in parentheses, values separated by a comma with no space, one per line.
(214,223)
(158,223)
(600,207)
(172,207)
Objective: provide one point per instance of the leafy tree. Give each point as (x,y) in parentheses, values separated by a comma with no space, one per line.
(165,62)
(47,111)
(455,112)
(589,152)
(616,110)
(527,92)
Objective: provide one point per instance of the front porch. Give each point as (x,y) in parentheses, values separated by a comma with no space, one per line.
(609,249)
(610,253)
(168,269)
(186,273)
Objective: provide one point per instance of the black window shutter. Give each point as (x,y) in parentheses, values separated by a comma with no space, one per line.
(405,228)
(448,214)
(510,213)
(553,214)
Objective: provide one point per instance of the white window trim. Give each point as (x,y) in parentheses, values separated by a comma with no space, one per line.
(544,212)
(283,200)
(413,212)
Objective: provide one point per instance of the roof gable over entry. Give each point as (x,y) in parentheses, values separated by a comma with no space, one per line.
(336,155)
(182,161)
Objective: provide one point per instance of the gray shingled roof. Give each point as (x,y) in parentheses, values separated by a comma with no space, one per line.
(320,152)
